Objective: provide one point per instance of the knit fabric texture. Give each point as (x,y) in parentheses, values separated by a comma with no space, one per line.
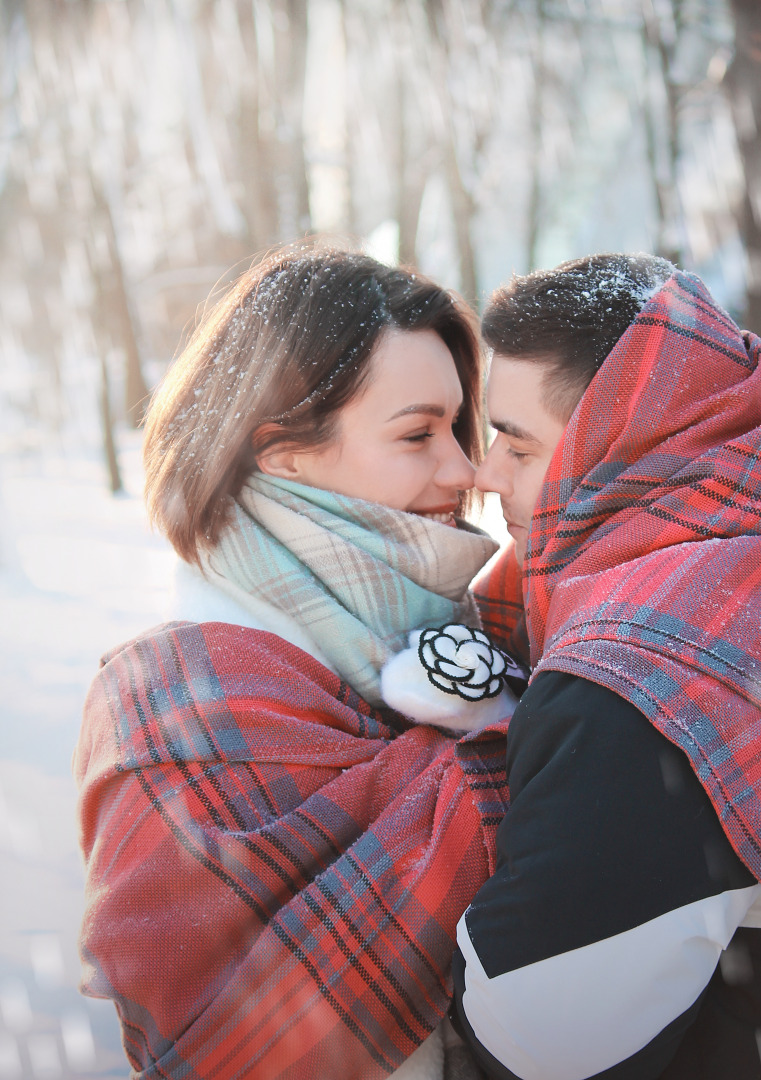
(359,576)
(643,569)
(275,870)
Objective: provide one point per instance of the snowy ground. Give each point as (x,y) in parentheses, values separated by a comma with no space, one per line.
(79,572)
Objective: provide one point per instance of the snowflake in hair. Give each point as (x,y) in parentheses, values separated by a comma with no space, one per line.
(461,660)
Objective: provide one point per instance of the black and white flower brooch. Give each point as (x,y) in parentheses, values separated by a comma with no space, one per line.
(451,676)
(462,660)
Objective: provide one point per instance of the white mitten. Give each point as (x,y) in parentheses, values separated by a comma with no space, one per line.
(450,677)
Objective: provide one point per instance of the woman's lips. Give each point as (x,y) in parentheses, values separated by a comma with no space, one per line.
(443,517)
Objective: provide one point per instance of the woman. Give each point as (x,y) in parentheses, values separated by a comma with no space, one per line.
(276,860)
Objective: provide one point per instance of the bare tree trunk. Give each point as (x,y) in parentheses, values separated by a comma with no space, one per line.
(407,210)
(102,320)
(743,81)
(536,134)
(292,190)
(411,173)
(136,392)
(463,205)
(352,105)
(107,425)
(226,212)
(463,208)
(30,28)
(663,148)
(254,146)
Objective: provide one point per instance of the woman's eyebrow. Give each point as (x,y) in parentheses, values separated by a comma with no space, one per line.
(426,410)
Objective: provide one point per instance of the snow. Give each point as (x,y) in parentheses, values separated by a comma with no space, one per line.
(79,572)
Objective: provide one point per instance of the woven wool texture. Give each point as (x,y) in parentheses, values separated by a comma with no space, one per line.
(643,570)
(274,870)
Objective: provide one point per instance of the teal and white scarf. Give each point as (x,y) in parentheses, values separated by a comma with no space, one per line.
(356,575)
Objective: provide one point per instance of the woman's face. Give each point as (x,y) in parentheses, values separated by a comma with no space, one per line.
(394,442)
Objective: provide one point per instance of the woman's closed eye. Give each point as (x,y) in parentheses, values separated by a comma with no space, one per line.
(418,436)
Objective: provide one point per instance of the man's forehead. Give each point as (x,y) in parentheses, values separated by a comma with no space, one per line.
(515,385)
(516,399)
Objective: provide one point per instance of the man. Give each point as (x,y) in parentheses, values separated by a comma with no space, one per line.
(627,407)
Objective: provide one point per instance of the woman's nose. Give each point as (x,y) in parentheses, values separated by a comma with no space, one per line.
(455,469)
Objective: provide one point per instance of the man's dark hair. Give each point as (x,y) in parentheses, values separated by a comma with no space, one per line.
(570,318)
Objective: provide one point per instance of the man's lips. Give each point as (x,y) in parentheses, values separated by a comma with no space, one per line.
(508,522)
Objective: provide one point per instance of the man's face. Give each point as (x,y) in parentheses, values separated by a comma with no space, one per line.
(527,435)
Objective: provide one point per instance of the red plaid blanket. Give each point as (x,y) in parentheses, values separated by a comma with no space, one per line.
(644,565)
(274,871)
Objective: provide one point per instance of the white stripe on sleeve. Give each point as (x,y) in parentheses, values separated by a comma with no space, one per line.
(576,1014)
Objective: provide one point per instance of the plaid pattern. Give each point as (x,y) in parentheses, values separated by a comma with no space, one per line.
(359,576)
(274,870)
(643,570)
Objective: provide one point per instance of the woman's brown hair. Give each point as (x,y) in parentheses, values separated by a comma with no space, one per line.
(285,349)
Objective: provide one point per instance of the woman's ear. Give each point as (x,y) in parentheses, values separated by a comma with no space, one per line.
(279,459)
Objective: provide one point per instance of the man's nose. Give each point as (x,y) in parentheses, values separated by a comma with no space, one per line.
(490,478)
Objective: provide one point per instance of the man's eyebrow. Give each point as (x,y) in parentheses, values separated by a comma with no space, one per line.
(507,427)
(425,410)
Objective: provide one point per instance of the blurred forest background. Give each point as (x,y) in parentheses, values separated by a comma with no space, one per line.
(150,145)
